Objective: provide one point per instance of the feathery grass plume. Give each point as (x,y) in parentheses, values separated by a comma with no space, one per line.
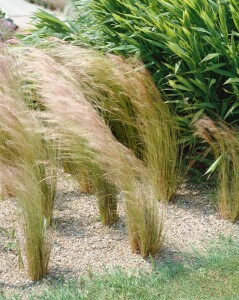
(123,93)
(81,171)
(91,179)
(84,133)
(27,167)
(224,141)
(13,85)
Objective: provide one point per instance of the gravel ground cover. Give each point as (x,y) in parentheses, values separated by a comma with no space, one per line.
(82,246)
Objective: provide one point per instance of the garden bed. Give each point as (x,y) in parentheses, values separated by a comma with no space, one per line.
(82,246)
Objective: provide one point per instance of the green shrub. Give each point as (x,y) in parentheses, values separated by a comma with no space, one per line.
(190,47)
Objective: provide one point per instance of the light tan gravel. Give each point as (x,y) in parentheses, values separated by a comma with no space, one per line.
(81,245)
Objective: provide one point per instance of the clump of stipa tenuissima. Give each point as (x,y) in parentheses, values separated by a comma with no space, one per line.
(27,164)
(124,94)
(224,141)
(82,132)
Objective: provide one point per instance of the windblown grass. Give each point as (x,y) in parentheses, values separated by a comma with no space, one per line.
(81,175)
(83,134)
(83,167)
(124,94)
(224,141)
(81,163)
(27,164)
(106,193)
(85,182)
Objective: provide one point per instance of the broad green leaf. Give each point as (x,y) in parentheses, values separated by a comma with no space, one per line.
(197,116)
(232,80)
(206,104)
(224,72)
(199,29)
(210,56)
(213,166)
(235,105)
(177,66)
(212,82)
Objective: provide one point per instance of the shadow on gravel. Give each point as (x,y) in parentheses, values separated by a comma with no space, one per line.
(69,226)
(196,197)
(165,255)
(62,198)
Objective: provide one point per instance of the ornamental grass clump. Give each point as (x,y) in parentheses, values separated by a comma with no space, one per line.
(81,170)
(124,94)
(224,141)
(27,164)
(84,134)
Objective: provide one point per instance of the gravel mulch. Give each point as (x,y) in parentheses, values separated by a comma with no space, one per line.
(81,245)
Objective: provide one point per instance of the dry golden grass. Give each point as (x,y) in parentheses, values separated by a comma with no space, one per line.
(91,180)
(106,193)
(224,141)
(85,182)
(87,140)
(27,165)
(124,94)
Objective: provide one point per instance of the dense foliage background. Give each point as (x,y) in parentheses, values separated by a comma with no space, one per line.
(190,47)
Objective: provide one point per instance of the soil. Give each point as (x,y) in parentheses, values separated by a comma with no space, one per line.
(82,245)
